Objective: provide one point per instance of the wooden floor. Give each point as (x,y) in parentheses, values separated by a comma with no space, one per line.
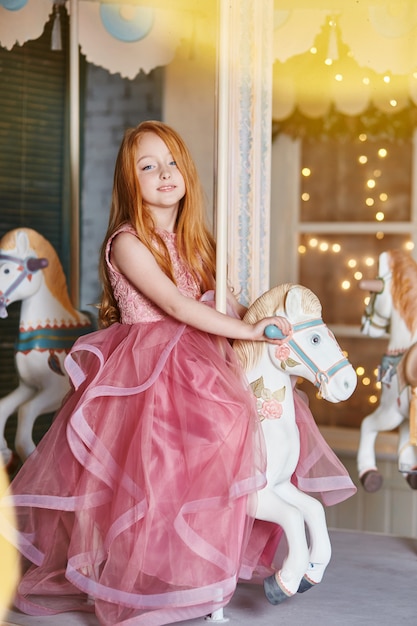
(370,581)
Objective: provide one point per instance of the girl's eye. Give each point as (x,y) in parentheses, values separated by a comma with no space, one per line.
(173,163)
(147,167)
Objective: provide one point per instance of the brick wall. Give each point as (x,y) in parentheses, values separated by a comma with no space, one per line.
(112,105)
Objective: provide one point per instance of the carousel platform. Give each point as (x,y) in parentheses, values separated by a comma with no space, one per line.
(370,581)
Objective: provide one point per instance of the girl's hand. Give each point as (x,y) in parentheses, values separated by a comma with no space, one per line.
(280,322)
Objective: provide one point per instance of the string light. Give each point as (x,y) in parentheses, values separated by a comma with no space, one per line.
(359,255)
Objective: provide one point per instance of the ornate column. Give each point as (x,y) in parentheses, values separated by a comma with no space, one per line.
(244,145)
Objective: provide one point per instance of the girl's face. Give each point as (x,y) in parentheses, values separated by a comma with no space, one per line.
(161,183)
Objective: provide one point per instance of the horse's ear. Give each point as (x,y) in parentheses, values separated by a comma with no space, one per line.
(384,264)
(293,299)
(22,243)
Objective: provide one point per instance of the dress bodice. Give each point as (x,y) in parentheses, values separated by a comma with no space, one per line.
(134,307)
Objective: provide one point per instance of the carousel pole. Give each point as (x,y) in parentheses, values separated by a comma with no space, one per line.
(244,139)
(221,178)
(74,158)
(222,151)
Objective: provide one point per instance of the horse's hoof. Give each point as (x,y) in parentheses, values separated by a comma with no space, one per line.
(12,465)
(305,585)
(274,593)
(412,478)
(217,617)
(371,481)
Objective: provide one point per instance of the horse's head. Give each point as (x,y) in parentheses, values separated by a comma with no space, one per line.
(312,351)
(20,265)
(393,302)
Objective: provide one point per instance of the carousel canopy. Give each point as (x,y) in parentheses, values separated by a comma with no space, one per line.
(327,54)
(352,58)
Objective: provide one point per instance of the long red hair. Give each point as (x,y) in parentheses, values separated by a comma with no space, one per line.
(196,245)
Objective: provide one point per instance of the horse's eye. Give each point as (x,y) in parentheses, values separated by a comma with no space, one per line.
(7,271)
(316,339)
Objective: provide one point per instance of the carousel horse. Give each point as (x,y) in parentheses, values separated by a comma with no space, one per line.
(293,442)
(31,272)
(392,309)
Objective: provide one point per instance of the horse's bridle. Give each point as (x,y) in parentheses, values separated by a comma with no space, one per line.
(371,309)
(27,267)
(322,377)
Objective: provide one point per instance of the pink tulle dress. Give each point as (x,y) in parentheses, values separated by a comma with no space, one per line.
(135,503)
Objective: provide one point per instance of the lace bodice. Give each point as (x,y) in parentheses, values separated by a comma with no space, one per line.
(134,306)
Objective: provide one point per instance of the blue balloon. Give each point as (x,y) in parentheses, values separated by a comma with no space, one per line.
(273,332)
(13,5)
(127,30)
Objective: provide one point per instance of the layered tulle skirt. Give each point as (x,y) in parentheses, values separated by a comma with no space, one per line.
(138,502)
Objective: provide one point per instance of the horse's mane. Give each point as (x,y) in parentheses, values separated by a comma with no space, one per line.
(271,303)
(54,274)
(404,286)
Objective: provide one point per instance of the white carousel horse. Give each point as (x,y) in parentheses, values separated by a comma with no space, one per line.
(392,309)
(31,272)
(311,352)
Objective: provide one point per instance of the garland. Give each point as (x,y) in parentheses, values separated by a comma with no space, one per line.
(337,126)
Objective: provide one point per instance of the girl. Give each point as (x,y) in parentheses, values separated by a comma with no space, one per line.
(136,503)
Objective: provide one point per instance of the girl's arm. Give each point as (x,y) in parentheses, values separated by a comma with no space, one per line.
(130,257)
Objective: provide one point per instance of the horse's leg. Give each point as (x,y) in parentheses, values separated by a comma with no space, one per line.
(368,472)
(315,518)
(385,418)
(407,455)
(8,406)
(272,507)
(45,401)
